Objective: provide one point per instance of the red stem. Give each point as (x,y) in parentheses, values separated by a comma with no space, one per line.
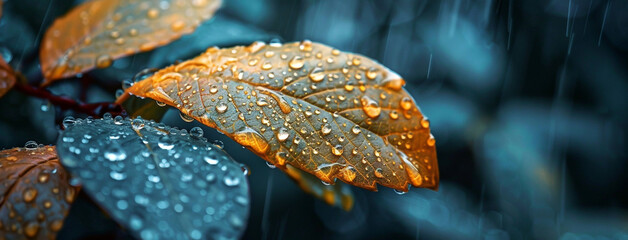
(91,109)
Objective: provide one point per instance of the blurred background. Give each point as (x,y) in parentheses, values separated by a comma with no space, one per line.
(528,102)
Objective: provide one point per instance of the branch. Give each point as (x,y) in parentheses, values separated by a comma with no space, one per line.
(91,109)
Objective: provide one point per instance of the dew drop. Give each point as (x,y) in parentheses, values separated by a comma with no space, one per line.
(221,107)
(31,229)
(283,134)
(245,169)
(371,73)
(30,145)
(152,13)
(425,123)
(356,129)
(370,107)
(185,117)
(103,61)
(196,132)
(211,160)
(118,120)
(337,150)
(267,66)
(231,181)
(431,141)
(165,143)
(137,124)
(68,121)
(406,103)
(29,194)
(394,115)
(398,192)
(317,74)
(118,176)
(326,129)
(348,173)
(261,102)
(296,62)
(379,173)
(178,25)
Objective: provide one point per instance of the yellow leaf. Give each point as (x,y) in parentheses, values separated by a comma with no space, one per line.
(326,112)
(98,31)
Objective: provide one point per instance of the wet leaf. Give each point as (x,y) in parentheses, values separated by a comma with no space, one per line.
(99,31)
(35,194)
(156,180)
(336,194)
(329,113)
(7,77)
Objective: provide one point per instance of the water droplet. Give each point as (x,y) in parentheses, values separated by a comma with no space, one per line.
(245,169)
(348,173)
(115,153)
(379,173)
(394,115)
(45,106)
(317,74)
(356,129)
(296,62)
(31,229)
(337,150)
(68,140)
(231,181)
(118,120)
(103,61)
(405,103)
(267,66)
(398,192)
(306,45)
(29,194)
(106,116)
(165,143)
(425,123)
(177,25)
(431,141)
(221,107)
(270,165)
(261,102)
(219,144)
(196,132)
(326,129)
(371,73)
(185,117)
(283,134)
(152,13)
(30,145)
(68,121)
(43,177)
(211,160)
(117,175)
(137,124)
(252,139)
(370,107)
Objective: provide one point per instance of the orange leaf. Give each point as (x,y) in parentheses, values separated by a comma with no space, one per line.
(99,31)
(336,194)
(7,77)
(35,195)
(329,113)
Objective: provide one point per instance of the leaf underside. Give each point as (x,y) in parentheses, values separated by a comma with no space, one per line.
(329,113)
(7,77)
(156,180)
(98,31)
(35,194)
(334,194)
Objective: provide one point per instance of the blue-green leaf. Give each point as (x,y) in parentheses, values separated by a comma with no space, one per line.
(158,182)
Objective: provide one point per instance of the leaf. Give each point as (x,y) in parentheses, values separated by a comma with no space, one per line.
(35,194)
(326,112)
(98,31)
(336,194)
(156,180)
(7,77)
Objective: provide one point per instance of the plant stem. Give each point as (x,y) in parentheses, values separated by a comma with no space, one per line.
(65,103)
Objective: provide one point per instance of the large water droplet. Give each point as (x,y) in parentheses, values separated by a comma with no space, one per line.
(283,134)
(231,181)
(337,150)
(405,103)
(356,129)
(296,62)
(68,121)
(165,143)
(103,61)
(30,145)
(196,132)
(326,129)
(370,107)
(221,107)
(118,120)
(137,124)
(317,74)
